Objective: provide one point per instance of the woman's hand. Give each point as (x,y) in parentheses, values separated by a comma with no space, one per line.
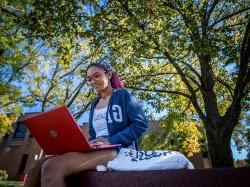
(100,141)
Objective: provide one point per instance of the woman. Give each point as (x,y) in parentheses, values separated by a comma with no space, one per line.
(115,118)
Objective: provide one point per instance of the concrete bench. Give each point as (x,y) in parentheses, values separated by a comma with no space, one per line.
(237,177)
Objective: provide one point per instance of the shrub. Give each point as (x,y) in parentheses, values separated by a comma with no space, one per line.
(3,175)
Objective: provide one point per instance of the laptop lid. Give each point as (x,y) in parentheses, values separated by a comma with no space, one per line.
(57,132)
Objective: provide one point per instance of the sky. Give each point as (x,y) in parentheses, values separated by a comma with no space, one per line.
(240,155)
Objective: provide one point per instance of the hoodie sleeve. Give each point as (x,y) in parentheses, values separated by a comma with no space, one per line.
(92,134)
(137,122)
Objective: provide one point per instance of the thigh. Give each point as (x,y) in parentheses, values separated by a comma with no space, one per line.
(74,162)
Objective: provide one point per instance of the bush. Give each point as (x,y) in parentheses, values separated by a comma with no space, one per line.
(3,175)
(11,184)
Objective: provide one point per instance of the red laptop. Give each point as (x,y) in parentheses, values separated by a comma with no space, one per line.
(57,132)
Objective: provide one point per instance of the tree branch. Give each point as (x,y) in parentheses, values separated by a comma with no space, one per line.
(78,64)
(207,15)
(159,91)
(210,11)
(192,69)
(51,87)
(79,114)
(76,94)
(220,11)
(229,88)
(4,10)
(229,26)
(229,16)
(66,95)
(185,19)
(157,74)
(243,77)
(7,104)
(194,81)
(194,101)
(33,53)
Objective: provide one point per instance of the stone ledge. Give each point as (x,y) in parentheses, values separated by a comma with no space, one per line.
(237,177)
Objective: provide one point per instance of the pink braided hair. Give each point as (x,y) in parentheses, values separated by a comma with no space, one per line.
(116,81)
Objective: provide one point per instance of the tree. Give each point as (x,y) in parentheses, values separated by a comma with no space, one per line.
(247,160)
(198,45)
(240,163)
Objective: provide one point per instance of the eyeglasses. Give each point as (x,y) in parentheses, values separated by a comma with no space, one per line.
(95,77)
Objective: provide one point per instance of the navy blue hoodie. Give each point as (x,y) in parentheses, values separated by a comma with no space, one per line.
(126,121)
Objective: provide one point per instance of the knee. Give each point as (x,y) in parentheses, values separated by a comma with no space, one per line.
(52,170)
(50,166)
(110,155)
(113,155)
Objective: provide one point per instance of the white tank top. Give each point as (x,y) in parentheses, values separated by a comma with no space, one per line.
(100,122)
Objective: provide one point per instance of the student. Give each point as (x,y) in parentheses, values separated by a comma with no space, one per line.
(115,118)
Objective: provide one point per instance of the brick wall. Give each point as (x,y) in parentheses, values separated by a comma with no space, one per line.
(12,153)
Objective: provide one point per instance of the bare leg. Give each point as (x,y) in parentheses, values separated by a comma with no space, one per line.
(34,175)
(57,168)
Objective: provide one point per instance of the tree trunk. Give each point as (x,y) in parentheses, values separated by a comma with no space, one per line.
(219,148)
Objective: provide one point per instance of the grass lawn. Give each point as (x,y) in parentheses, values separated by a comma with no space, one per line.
(11,184)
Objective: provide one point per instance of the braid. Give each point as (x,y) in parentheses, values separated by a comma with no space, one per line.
(116,81)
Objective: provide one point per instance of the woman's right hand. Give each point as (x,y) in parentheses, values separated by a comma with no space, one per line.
(100,141)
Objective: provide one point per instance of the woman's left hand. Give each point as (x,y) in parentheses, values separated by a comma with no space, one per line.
(100,141)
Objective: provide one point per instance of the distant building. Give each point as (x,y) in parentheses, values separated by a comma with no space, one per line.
(19,150)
